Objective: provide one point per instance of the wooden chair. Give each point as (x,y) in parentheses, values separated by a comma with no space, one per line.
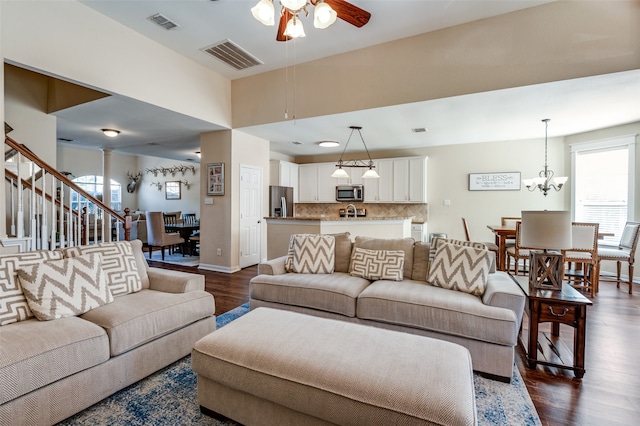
(517,252)
(194,239)
(490,246)
(583,252)
(189,218)
(510,221)
(157,236)
(625,252)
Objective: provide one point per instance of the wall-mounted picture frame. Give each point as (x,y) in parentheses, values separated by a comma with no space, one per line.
(504,181)
(215,179)
(172,190)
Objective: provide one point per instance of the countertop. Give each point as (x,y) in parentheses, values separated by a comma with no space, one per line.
(338,219)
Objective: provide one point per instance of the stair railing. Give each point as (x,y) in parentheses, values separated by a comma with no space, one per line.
(48,210)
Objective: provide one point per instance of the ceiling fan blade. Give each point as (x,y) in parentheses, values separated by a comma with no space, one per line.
(284,18)
(349,12)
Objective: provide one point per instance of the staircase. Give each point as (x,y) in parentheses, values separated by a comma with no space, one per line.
(46,210)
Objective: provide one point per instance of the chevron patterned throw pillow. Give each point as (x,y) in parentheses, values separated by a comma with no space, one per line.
(66,287)
(313,254)
(119,264)
(13,305)
(460,268)
(377,264)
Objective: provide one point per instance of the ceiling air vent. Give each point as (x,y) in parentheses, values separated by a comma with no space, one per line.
(232,55)
(163,21)
(419,130)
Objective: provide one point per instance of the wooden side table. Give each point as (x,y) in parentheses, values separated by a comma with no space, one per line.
(566,306)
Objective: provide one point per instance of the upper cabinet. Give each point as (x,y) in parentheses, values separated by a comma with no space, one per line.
(284,173)
(380,190)
(410,180)
(316,184)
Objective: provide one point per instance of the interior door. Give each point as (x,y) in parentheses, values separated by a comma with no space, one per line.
(250,215)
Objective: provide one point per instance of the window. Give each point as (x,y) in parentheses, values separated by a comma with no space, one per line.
(94,185)
(603,190)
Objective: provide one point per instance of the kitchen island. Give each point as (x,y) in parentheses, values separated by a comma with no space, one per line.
(280,229)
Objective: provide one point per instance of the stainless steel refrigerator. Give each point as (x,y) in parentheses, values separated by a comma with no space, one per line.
(280,201)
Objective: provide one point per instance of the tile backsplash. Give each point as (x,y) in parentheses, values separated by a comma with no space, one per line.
(419,212)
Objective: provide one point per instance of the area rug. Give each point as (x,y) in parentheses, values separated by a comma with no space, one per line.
(168,397)
(176,258)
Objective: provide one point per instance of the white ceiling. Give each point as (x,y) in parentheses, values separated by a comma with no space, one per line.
(573,106)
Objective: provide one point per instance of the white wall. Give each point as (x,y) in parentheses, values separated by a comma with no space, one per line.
(150,198)
(70,40)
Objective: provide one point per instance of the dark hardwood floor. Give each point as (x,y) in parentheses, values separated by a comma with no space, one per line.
(609,393)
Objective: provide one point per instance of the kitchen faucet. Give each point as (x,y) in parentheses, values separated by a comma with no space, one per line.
(351,207)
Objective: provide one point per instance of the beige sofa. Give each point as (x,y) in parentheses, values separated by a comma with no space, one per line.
(487,325)
(50,370)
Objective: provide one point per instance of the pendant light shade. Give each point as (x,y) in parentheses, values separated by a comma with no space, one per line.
(323,15)
(340,173)
(264,12)
(294,28)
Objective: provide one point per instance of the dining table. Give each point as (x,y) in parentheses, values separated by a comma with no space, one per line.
(504,233)
(185,230)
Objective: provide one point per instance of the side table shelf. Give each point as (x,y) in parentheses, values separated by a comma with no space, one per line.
(566,306)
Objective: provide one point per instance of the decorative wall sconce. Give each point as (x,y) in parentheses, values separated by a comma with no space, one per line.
(157,185)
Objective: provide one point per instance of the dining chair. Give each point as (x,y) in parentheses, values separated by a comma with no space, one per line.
(511,222)
(490,246)
(170,219)
(189,218)
(625,252)
(157,236)
(583,252)
(517,252)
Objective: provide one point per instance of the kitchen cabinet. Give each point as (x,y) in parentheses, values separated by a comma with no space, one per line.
(355,176)
(380,190)
(418,231)
(315,184)
(284,173)
(410,180)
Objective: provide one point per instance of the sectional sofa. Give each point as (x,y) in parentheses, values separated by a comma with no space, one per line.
(103,320)
(484,317)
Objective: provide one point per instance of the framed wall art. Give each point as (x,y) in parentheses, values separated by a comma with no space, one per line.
(172,190)
(505,181)
(215,179)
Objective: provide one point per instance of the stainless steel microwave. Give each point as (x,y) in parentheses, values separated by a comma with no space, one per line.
(349,193)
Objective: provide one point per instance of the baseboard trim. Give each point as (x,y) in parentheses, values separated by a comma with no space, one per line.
(217,268)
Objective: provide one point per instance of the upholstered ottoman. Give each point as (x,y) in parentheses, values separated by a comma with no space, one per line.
(274,367)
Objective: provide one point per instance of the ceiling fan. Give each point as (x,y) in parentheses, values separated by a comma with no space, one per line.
(325,14)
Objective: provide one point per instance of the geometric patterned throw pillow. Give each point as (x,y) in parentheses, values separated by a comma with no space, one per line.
(460,268)
(118,262)
(13,305)
(313,254)
(66,287)
(377,264)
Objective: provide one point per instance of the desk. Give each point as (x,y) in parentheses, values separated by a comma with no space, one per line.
(566,306)
(503,233)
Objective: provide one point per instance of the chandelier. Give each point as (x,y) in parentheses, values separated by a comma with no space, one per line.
(323,15)
(339,172)
(545,180)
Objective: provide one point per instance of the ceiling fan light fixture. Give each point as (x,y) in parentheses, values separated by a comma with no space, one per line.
(110,132)
(323,15)
(264,12)
(294,28)
(293,5)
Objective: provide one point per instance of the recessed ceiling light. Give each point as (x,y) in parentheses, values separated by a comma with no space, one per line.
(419,130)
(111,132)
(329,144)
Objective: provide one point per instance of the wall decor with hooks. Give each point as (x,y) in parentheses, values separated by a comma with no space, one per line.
(171,170)
(158,185)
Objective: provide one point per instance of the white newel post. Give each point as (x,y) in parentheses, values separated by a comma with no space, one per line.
(106,192)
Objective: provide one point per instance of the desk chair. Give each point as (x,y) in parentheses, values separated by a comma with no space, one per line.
(157,236)
(625,252)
